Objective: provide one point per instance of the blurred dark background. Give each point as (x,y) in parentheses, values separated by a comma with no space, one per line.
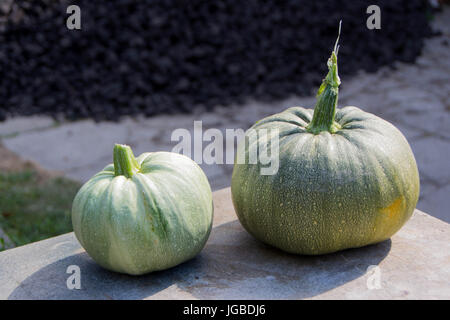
(169,56)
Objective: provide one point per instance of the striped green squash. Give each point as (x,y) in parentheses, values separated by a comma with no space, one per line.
(144,214)
(346,178)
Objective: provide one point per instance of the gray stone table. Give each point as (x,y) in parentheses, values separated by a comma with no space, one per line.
(414,264)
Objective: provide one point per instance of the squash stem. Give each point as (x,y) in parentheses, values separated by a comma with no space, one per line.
(327,97)
(125,163)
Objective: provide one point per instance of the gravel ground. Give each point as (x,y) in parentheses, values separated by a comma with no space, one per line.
(414,97)
(167,56)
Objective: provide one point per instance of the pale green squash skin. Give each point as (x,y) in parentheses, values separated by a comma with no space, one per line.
(157,219)
(333,191)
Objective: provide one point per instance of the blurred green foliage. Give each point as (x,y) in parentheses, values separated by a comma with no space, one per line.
(33,208)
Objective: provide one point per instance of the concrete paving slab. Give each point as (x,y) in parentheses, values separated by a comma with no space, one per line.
(70,146)
(414,264)
(432,156)
(437,200)
(23,124)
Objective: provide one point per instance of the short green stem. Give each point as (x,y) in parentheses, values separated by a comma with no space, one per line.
(125,163)
(327,98)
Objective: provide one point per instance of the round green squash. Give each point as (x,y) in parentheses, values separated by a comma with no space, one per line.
(144,214)
(346,178)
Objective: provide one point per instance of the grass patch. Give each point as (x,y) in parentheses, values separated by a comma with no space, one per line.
(32,208)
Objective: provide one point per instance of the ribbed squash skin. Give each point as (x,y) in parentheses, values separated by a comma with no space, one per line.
(158,218)
(349,189)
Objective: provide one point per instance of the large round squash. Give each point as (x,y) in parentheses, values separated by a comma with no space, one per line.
(346,178)
(144,214)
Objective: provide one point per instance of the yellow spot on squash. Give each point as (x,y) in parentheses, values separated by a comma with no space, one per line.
(392,211)
(389,218)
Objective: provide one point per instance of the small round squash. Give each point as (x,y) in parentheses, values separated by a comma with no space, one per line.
(144,214)
(346,178)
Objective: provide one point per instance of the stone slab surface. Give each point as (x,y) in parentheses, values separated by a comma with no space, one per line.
(414,264)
